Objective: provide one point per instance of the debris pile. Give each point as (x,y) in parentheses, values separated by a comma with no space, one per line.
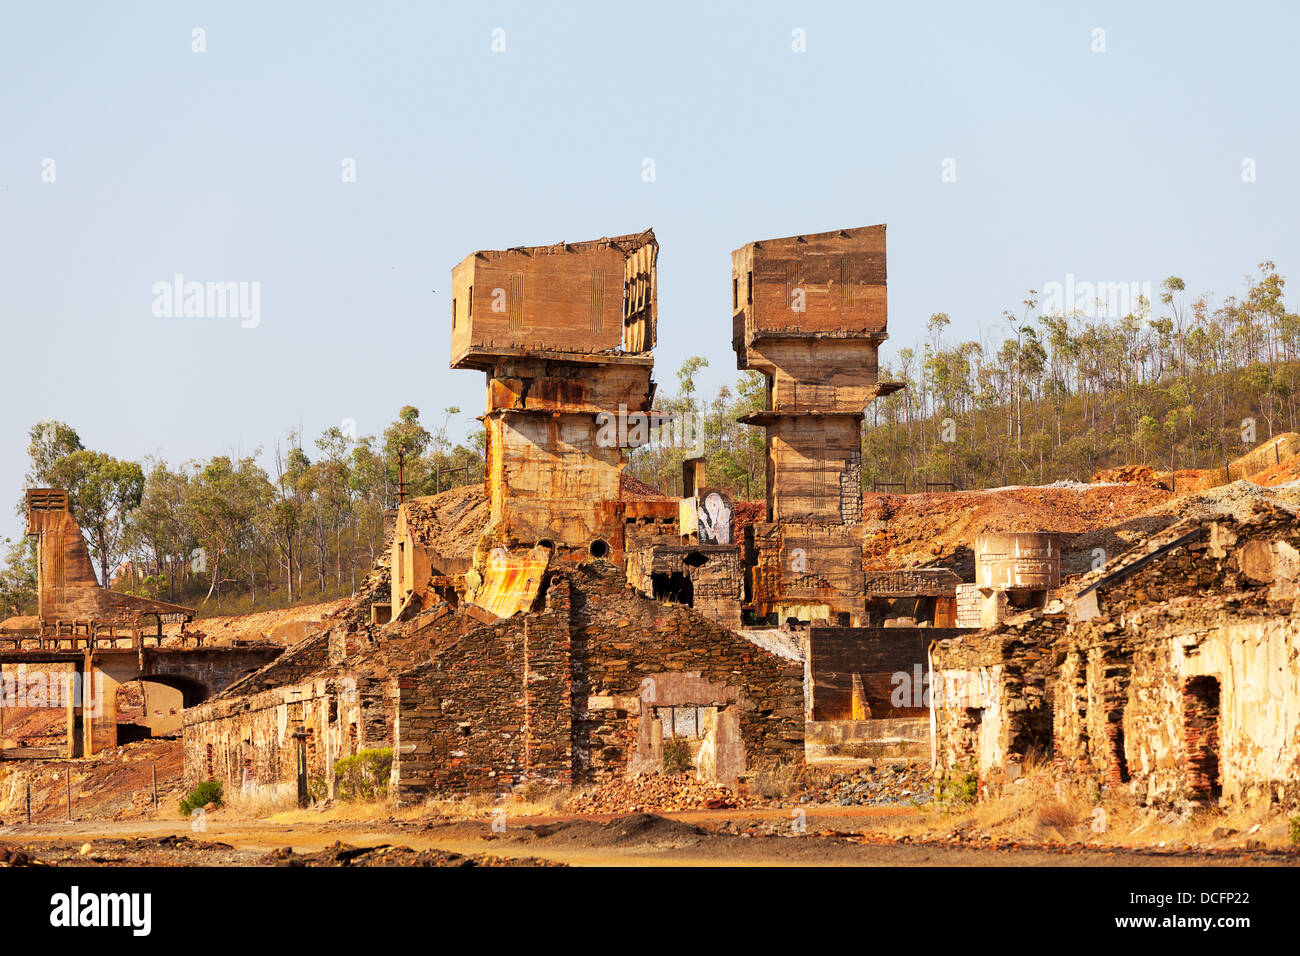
(341,854)
(887,785)
(658,792)
(10,857)
(261,625)
(938,528)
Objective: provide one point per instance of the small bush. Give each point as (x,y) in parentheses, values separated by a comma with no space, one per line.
(318,790)
(958,788)
(1295,830)
(207,792)
(677,755)
(364,776)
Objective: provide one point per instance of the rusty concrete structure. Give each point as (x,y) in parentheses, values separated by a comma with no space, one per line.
(1015,570)
(1170,677)
(564,335)
(580,631)
(70,598)
(907,597)
(809,312)
(87,641)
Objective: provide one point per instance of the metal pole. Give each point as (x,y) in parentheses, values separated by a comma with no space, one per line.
(29,802)
(69,795)
(155,786)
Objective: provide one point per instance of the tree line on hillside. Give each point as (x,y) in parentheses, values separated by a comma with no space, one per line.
(1058,396)
(1171,384)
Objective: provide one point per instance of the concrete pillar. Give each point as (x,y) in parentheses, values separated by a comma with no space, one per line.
(73,685)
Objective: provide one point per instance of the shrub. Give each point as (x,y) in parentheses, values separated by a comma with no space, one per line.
(207,792)
(1295,830)
(318,790)
(364,776)
(677,755)
(958,788)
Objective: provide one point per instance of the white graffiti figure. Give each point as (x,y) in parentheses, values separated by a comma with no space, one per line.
(715,520)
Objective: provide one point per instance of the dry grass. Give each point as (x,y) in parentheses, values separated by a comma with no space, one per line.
(534,799)
(1039,809)
(1059,814)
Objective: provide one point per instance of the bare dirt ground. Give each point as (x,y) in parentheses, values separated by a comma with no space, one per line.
(866,817)
(698,838)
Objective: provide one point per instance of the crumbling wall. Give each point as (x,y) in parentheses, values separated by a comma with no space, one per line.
(333,685)
(713,574)
(807,571)
(622,640)
(490,710)
(1173,678)
(572,693)
(991,704)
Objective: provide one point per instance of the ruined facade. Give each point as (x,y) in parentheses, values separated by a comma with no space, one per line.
(912,596)
(585,687)
(809,312)
(1172,676)
(684,552)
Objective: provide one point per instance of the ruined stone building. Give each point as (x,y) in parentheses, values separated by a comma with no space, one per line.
(562,631)
(553,626)
(809,312)
(684,551)
(1171,676)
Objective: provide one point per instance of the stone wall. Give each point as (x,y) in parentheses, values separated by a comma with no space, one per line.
(247,742)
(574,692)
(714,572)
(1171,677)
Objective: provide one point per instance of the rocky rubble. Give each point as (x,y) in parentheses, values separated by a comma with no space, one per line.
(886,785)
(658,792)
(889,785)
(341,854)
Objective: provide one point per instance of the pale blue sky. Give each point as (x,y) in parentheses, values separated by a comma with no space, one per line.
(225,165)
